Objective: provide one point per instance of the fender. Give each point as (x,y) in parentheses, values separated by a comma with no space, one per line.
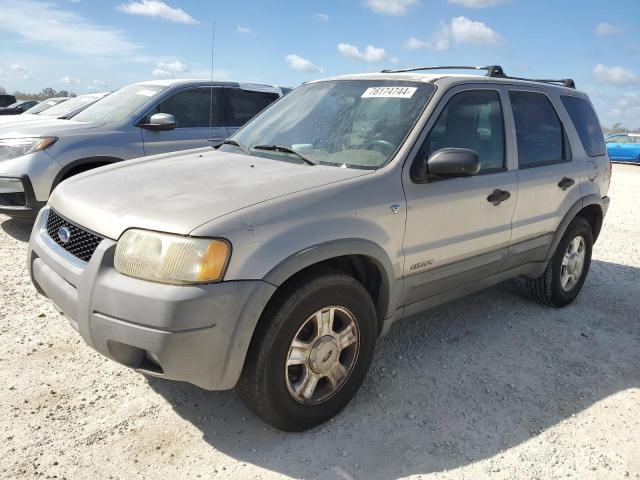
(568,218)
(389,289)
(82,161)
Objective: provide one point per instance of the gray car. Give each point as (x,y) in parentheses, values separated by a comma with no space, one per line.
(140,119)
(274,264)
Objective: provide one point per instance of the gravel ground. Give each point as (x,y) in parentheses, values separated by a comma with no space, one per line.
(492,385)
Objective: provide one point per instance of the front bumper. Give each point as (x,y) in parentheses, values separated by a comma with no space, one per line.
(198,334)
(17,197)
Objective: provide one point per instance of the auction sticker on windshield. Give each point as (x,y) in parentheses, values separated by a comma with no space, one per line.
(389,92)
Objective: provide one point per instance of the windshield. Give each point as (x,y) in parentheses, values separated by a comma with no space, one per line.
(69,106)
(120,104)
(45,104)
(349,123)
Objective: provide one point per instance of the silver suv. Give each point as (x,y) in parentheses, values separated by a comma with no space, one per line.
(274,263)
(140,119)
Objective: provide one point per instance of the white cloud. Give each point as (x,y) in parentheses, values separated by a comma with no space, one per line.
(96,85)
(157,9)
(464,30)
(605,29)
(64,30)
(390,7)
(323,17)
(169,69)
(460,30)
(370,53)
(301,64)
(478,3)
(67,80)
(16,71)
(415,44)
(242,29)
(615,75)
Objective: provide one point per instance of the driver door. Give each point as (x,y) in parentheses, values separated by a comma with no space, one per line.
(454,233)
(191,108)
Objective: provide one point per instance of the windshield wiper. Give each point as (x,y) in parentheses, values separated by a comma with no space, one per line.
(242,147)
(280,148)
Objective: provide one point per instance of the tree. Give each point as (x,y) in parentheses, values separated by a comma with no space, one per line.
(43,95)
(2,90)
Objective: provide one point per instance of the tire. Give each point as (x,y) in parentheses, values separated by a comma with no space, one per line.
(548,289)
(268,387)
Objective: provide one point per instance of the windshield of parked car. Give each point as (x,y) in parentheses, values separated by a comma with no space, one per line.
(345,123)
(64,108)
(45,104)
(120,104)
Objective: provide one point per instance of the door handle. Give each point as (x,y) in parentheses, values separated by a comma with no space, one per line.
(566,182)
(498,196)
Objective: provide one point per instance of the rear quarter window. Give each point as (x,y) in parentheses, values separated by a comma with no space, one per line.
(587,125)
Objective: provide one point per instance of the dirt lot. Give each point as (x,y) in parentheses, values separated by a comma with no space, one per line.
(492,385)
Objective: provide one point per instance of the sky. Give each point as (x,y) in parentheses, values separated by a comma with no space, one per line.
(98,45)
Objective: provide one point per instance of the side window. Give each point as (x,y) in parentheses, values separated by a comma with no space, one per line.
(471,120)
(240,106)
(191,108)
(539,133)
(587,125)
(617,139)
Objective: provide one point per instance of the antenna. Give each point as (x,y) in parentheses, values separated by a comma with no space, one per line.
(213,41)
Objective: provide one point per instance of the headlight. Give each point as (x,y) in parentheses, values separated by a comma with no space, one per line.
(166,258)
(16,147)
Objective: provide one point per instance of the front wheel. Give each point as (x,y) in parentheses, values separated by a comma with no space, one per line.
(311,352)
(567,271)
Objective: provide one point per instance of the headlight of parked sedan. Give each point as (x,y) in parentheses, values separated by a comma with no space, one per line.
(167,258)
(16,147)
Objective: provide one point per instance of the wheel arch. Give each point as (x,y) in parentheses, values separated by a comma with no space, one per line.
(589,208)
(82,165)
(362,259)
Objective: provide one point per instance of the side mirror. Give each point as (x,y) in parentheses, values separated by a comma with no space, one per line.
(160,121)
(448,163)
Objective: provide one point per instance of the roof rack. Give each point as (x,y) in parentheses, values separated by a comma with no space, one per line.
(492,70)
(565,82)
(495,71)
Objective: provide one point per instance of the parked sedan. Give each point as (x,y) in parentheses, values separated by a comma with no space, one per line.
(64,110)
(624,147)
(48,103)
(18,107)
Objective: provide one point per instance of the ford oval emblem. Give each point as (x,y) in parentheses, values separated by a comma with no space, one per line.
(64,234)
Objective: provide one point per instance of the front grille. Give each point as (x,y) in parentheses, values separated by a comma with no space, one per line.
(14,199)
(81,243)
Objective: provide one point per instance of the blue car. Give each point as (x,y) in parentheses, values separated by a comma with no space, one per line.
(624,147)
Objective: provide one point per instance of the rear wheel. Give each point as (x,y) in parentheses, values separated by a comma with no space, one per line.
(567,271)
(311,352)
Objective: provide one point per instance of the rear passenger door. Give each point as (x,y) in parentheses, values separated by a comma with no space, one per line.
(454,234)
(241,105)
(198,114)
(548,176)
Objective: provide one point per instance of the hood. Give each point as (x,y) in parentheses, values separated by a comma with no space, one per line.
(25,117)
(179,192)
(45,127)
